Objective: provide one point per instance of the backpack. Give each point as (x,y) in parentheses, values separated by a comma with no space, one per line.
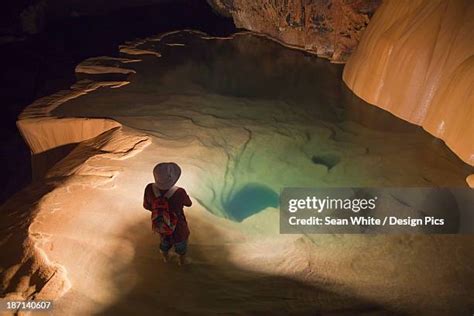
(163,221)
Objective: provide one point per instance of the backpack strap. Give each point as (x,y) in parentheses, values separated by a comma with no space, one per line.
(171,191)
(156,191)
(168,193)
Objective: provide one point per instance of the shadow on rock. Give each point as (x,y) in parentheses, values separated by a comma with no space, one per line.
(212,284)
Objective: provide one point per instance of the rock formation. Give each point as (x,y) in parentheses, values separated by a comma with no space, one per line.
(329,28)
(79,235)
(416,60)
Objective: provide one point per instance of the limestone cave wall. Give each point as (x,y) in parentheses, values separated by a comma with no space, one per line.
(329,28)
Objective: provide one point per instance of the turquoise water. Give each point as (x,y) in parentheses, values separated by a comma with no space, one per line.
(260,117)
(250,199)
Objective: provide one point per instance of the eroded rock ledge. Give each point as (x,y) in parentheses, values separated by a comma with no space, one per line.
(29,271)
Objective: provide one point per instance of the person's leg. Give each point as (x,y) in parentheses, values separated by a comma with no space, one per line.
(165,246)
(180,248)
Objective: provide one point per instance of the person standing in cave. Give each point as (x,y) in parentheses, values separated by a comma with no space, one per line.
(166,202)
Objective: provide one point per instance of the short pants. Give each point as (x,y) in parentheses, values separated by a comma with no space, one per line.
(179,247)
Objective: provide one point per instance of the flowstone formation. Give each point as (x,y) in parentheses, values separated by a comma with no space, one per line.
(416,60)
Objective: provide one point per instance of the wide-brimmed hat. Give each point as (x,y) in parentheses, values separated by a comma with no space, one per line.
(166,175)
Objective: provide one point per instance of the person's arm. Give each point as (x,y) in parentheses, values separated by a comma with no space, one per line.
(186,200)
(146,200)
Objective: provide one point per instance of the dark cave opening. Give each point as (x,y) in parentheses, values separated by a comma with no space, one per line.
(38,65)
